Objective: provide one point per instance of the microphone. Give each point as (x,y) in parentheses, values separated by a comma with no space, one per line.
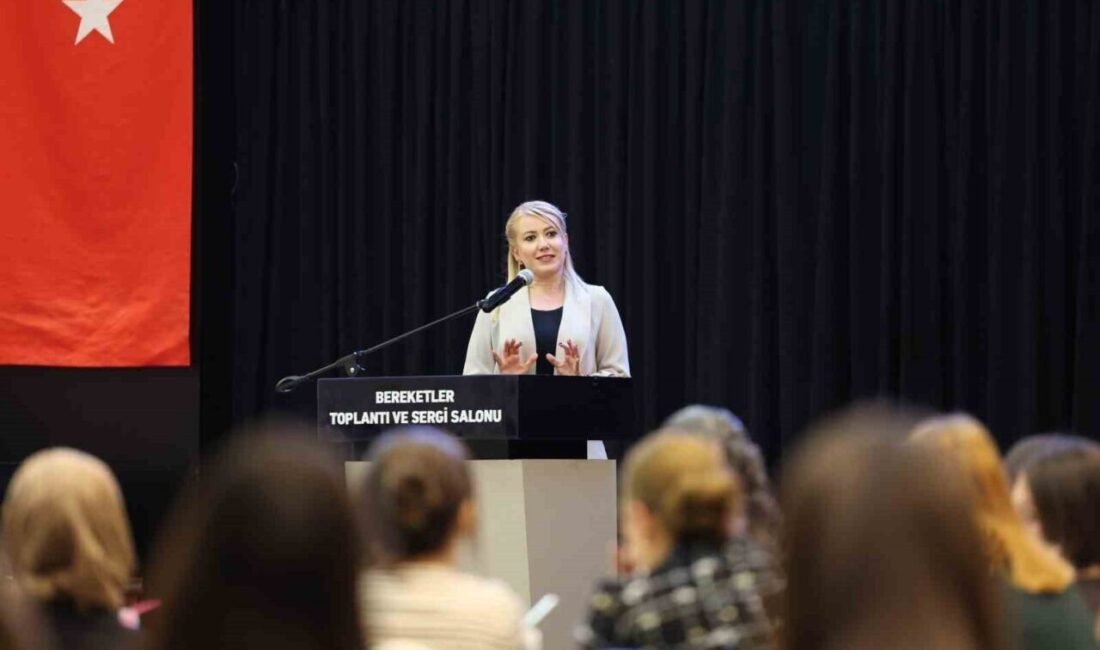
(501,295)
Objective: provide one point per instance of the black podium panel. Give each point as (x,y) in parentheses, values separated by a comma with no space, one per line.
(476,407)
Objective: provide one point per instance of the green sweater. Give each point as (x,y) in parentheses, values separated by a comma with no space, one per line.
(1050,621)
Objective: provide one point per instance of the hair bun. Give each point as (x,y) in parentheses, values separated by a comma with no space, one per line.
(700,504)
(413,502)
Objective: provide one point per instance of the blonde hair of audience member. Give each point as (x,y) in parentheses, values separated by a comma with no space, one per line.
(677,489)
(762,519)
(881,551)
(551,215)
(66,531)
(1025,560)
(261,553)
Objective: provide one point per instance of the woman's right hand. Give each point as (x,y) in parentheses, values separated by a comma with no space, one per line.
(511,362)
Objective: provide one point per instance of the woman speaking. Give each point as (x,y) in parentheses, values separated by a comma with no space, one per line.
(557,325)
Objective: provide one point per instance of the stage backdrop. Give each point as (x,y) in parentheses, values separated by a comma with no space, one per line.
(794,203)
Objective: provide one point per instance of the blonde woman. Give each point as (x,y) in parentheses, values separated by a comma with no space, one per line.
(762,519)
(69,544)
(697,586)
(1046,610)
(558,325)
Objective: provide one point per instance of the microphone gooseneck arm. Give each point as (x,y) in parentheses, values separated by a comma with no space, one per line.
(351,361)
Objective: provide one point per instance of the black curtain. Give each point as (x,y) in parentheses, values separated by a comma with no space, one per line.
(955,242)
(794,203)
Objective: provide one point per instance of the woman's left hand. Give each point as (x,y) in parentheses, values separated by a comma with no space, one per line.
(570,362)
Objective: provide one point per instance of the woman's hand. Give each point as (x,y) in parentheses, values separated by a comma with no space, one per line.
(570,363)
(511,363)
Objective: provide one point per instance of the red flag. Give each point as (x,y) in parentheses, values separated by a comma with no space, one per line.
(95,182)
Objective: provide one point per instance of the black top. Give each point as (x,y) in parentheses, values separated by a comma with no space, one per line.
(92,630)
(546,337)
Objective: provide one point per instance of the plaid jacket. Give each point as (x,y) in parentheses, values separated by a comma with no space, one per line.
(701,597)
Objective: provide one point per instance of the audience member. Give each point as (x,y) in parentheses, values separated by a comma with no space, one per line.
(69,544)
(1022,455)
(1045,607)
(881,551)
(698,588)
(418,504)
(1064,489)
(761,518)
(261,554)
(1026,450)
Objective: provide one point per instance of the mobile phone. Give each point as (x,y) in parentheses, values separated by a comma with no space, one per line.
(540,609)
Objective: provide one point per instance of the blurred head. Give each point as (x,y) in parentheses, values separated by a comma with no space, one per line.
(418,496)
(969,447)
(677,489)
(1064,488)
(1028,449)
(538,240)
(66,531)
(1019,461)
(881,550)
(761,518)
(262,552)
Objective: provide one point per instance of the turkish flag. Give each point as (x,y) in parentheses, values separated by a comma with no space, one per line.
(95,182)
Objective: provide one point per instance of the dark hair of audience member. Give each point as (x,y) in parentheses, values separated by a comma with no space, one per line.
(1029,449)
(763,518)
(414,490)
(262,552)
(1065,487)
(881,549)
(684,483)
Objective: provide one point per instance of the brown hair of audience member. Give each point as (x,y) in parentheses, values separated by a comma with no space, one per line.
(1023,559)
(1065,487)
(1026,450)
(880,549)
(66,531)
(763,518)
(417,495)
(21,624)
(682,484)
(262,552)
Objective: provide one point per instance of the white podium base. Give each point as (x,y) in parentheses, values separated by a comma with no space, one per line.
(546,526)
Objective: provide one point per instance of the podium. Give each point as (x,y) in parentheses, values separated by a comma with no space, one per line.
(353,412)
(545,526)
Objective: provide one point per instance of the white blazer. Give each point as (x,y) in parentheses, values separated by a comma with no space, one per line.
(589,318)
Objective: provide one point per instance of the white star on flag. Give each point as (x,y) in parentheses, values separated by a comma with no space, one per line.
(93,17)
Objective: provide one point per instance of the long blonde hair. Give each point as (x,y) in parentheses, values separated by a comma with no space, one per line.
(549,213)
(66,531)
(1028,564)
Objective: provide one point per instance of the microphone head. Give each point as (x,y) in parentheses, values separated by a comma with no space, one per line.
(527,275)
